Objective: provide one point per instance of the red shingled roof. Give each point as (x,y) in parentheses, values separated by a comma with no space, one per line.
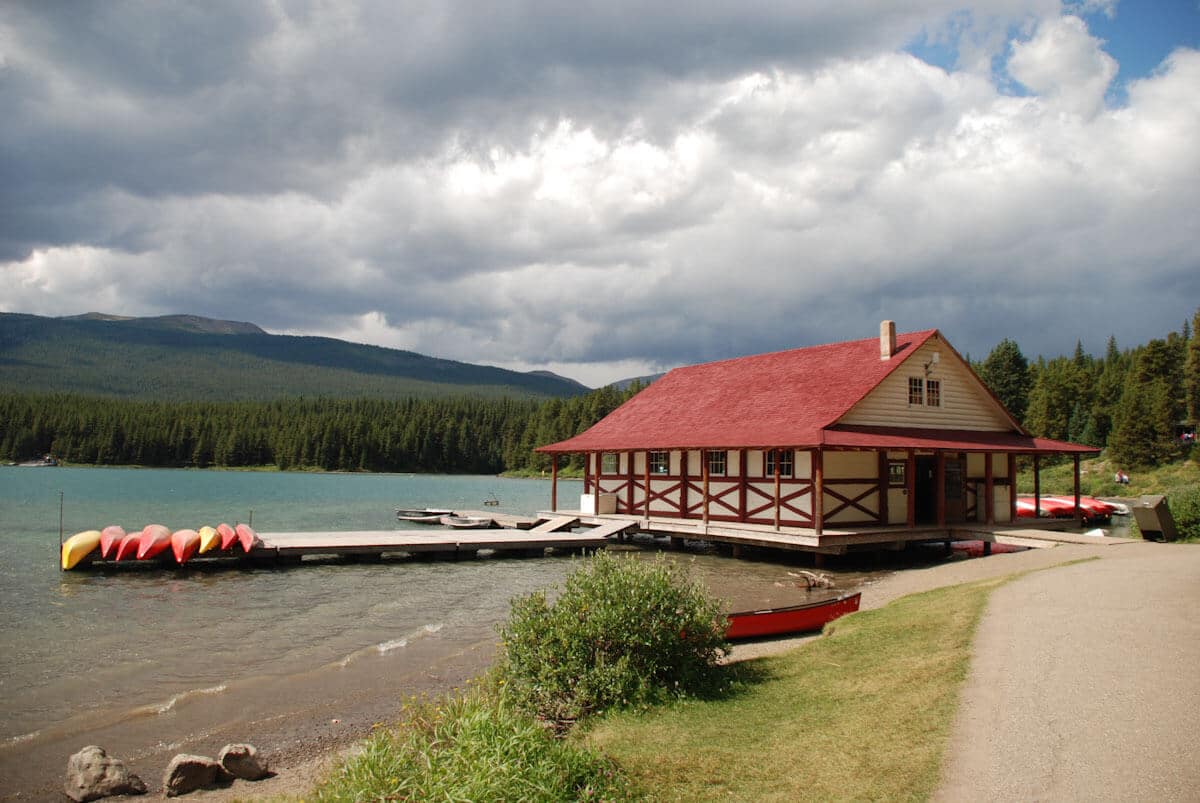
(782,399)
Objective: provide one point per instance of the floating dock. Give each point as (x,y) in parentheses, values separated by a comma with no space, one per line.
(509,536)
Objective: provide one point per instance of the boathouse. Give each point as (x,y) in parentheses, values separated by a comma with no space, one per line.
(897,431)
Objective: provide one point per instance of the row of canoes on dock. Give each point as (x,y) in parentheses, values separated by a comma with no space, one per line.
(1063,507)
(153,540)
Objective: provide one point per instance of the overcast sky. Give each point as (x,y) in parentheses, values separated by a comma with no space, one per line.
(606,189)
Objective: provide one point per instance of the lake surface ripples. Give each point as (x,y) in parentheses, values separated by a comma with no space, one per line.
(85,652)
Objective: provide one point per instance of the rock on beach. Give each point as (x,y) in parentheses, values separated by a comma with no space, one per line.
(93,774)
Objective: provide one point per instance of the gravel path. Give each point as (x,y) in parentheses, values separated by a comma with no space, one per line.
(1085,684)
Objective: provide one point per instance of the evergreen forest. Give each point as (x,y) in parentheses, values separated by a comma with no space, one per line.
(472,435)
(1139,403)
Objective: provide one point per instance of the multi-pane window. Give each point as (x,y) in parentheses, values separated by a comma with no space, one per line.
(608,463)
(785,462)
(916,390)
(933,393)
(660,462)
(716,463)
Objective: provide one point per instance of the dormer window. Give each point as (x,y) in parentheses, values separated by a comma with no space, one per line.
(916,390)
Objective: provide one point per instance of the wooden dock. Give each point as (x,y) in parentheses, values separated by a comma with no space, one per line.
(834,541)
(511,536)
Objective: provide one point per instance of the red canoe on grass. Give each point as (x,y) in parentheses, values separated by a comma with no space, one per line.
(110,540)
(184,543)
(793,619)
(155,539)
(228,536)
(247,537)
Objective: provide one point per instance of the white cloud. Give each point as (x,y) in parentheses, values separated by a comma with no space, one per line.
(624,210)
(1065,65)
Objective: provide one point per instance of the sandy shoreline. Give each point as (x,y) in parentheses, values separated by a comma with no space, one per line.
(302,748)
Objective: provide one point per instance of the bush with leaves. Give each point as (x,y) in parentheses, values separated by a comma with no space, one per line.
(1185,510)
(623,632)
(473,747)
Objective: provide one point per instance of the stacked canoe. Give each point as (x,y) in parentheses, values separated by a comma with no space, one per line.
(153,541)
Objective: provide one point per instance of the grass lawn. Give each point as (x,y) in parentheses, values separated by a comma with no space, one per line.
(864,713)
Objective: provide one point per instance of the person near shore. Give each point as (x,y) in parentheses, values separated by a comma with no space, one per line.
(1121,477)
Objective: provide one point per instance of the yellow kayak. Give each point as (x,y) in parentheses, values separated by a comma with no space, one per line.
(78,547)
(209,539)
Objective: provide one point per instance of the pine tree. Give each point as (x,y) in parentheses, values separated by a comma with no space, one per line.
(1006,373)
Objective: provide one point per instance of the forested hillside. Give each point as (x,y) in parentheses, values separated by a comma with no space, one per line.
(459,435)
(197,359)
(1141,403)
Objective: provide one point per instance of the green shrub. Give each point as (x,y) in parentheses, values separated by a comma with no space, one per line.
(623,632)
(1185,509)
(473,747)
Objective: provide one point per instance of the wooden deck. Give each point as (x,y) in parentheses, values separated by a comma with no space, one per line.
(511,536)
(572,531)
(835,541)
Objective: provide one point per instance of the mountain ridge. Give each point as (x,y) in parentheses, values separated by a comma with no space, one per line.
(193,357)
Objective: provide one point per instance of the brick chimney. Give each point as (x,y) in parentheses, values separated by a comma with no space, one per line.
(887,339)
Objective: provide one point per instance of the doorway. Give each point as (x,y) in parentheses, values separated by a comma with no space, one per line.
(954,486)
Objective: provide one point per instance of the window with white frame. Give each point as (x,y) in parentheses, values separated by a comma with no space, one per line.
(609,463)
(916,390)
(716,463)
(786,456)
(660,462)
(933,393)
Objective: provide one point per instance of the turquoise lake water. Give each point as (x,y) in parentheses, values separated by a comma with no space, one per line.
(150,659)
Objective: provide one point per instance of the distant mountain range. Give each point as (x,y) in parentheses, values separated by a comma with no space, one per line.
(183,357)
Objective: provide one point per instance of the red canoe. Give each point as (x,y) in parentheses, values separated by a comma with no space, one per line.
(228,536)
(184,544)
(793,619)
(128,547)
(247,537)
(110,540)
(155,539)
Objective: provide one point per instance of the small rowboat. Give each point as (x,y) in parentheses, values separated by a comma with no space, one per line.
(184,544)
(793,619)
(155,539)
(228,536)
(247,537)
(78,547)
(421,516)
(467,522)
(209,539)
(110,539)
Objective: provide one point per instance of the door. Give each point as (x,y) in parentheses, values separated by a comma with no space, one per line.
(956,489)
(924,490)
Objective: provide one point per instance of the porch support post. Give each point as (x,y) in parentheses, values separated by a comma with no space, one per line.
(989,490)
(939,490)
(741,485)
(683,482)
(646,478)
(1012,488)
(553,482)
(704,469)
(910,487)
(883,487)
(587,472)
(818,502)
(1079,511)
(778,460)
(629,483)
(1037,485)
